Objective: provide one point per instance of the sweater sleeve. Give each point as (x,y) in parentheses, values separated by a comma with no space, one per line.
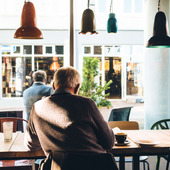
(31,140)
(105,134)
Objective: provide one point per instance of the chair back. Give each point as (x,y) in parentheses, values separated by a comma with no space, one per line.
(120,114)
(78,161)
(11,119)
(124,125)
(161,124)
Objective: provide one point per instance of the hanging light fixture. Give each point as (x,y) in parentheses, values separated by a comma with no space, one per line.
(112,22)
(160,38)
(28,29)
(55,65)
(88,22)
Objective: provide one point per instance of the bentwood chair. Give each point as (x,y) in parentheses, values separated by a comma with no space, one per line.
(129,125)
(162,124)
(120,114)
(14,164)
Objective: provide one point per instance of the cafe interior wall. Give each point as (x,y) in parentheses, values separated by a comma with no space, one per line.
(156,70)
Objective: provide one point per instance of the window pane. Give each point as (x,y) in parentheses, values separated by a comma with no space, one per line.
(59,49)
(16,49)
(48,50)
(87,50)
(14,75)
(113,72)
(102,6)
(49,65)
(97,50)
(6,49)
(127,6)
(134,79)
(138,6)
(27,49)
(38,49)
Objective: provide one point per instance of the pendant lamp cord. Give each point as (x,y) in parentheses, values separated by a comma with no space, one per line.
(111,6)
(159,5)
(88,3)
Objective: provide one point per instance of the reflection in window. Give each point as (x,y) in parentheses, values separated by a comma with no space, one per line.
(113,72)
(27,49)
(97,49)
(49,65)
(6,49)
(16,49)
(59,49)
(87,50)
(14,75)
(48,50)
(38,49)
(134,79)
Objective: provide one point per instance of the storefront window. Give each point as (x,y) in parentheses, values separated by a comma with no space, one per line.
(38,49)
(15,72)
(27,49)
(113,72)
(49,65)
(134,79)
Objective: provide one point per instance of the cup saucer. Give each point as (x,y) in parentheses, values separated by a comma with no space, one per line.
(122,144)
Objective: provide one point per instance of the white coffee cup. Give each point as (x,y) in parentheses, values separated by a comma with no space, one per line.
(7,130)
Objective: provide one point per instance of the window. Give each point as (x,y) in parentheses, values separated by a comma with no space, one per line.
(15,71)
(17,68)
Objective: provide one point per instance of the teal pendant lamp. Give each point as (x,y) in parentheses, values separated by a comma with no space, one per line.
(160,38)
(88,22)
(112,22)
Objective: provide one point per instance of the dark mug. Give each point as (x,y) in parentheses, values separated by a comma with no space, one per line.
(121,137)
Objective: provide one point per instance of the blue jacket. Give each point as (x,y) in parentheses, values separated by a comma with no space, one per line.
(35,93)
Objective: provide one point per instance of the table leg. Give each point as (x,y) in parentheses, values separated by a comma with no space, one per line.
(135,164)
(122,163)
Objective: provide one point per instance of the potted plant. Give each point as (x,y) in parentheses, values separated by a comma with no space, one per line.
(89,87)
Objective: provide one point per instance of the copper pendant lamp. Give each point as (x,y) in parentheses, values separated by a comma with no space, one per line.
(88,22)
(55,65)
(28,29)
(160,38)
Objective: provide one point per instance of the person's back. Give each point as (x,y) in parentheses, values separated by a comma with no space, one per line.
(65,122)
(36,91)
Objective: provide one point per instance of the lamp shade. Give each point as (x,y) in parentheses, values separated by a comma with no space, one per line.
(160,39)
(28,29)
(112,23)
(55,65)
(88,22)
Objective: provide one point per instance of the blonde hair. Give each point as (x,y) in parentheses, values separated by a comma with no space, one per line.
(66,77)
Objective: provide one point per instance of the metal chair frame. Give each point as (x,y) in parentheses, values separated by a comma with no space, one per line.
(161,124)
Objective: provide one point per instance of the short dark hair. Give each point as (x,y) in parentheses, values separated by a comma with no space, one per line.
(39,75)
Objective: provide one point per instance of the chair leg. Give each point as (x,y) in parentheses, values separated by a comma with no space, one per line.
(157,162)
(143,165)
(167,164)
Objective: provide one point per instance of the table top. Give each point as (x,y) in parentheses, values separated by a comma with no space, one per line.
(16,149)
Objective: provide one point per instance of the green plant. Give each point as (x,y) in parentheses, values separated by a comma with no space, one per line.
(91,89)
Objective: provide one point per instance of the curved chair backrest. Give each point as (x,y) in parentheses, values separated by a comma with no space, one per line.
(161,124)
(11,119)
(124,125)
(120,114)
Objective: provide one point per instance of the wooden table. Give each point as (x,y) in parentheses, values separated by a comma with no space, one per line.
(16,150)
(135,150)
